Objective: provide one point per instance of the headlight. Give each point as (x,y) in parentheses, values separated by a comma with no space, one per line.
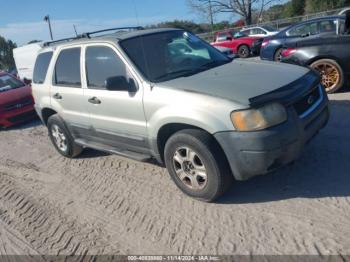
(260,118)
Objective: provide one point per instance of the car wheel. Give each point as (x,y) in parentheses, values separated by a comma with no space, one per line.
(332,76)
(197,164)
(61,138)
(278,55)
(243,51)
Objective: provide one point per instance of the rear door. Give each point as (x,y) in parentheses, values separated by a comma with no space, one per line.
(67,95)
(117,117)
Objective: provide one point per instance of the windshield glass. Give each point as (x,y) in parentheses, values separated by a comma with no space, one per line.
(8,82)
(164,56)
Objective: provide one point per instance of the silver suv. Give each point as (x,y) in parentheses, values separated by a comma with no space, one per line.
(165,94)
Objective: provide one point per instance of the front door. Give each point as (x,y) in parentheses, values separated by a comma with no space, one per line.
(117,117)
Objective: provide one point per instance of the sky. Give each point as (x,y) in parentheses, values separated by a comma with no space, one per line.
(22,20)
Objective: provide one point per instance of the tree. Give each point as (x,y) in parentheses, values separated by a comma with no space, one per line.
(323,5)
(295,8)
(6,54)
(243,8)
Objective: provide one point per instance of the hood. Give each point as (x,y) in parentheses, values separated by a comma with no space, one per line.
(14,95)
(245,82)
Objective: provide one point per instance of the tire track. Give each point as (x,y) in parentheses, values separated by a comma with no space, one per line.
(45,228)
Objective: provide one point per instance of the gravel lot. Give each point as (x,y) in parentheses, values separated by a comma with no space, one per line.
(106,204)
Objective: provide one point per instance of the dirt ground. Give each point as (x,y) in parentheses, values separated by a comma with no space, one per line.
(106,204)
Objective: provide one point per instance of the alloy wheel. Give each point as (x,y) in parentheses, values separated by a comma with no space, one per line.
(59,138)
(330,75)
(189,168)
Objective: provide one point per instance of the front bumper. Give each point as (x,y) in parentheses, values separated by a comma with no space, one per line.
(259,152)
(14,117)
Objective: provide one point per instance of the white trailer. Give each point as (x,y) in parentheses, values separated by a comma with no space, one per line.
(25,57)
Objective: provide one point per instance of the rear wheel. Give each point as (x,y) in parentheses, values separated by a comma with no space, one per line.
(197,164)
(332,76)
(278,55)
(243,51)
(61,138)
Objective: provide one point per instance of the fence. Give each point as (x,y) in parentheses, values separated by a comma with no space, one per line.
(278,24)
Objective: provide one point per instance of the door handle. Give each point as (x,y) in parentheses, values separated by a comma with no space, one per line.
(94,100)
(57,96)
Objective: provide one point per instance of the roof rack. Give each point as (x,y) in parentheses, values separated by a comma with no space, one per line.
(88,34)
(61,40)
(130,28)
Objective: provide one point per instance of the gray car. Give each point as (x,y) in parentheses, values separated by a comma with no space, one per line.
(166,95)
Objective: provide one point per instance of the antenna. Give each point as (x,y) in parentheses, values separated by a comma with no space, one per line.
(75,30)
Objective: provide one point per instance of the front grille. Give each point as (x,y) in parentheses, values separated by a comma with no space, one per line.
(22,117)
(19,104)
(308,102)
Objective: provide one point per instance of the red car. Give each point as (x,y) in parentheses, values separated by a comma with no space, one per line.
(16,101)
(240,43)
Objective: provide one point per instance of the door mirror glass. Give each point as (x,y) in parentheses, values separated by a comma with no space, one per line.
(120,83)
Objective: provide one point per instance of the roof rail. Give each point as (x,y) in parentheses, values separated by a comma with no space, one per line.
(87,35)
(61,40)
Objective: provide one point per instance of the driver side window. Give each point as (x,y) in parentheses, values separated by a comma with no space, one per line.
(102,63)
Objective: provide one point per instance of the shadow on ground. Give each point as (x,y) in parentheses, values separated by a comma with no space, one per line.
(28,124)
(323,170)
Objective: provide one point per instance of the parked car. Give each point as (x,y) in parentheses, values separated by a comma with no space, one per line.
(207,118)
(259,31)
(226,51)
(16,101)
(329,55)
(240,43)
(271,48)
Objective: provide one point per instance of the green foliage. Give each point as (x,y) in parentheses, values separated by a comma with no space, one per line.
(323,5)
(183,24)
(294,8)
(6,54)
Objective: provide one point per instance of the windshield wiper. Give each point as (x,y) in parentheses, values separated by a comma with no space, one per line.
(179,73)
(189,72)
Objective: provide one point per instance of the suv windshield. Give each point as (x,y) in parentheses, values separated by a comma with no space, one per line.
(172,54)
(8,82)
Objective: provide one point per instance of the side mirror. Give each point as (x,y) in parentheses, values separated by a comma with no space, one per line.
(27,81)
(305,35)
(120,83)
(229,38)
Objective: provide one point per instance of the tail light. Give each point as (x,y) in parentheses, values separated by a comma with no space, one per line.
(265,42)
(287,52)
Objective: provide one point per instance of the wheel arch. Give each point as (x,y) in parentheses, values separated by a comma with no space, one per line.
(316,58)
(169,129)
(46,113)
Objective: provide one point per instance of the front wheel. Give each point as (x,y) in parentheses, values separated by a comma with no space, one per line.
(332,76)
(197,164)
(243,51)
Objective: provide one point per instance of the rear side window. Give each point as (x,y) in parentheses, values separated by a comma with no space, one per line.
(101,63)
(67,69)
(305,29)
(41,65)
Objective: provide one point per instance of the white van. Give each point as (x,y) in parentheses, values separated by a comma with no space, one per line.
(25,57)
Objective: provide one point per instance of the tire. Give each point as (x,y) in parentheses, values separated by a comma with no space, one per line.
(332,75)
(278,55)
(67,147)
(201,150)
(244,51)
